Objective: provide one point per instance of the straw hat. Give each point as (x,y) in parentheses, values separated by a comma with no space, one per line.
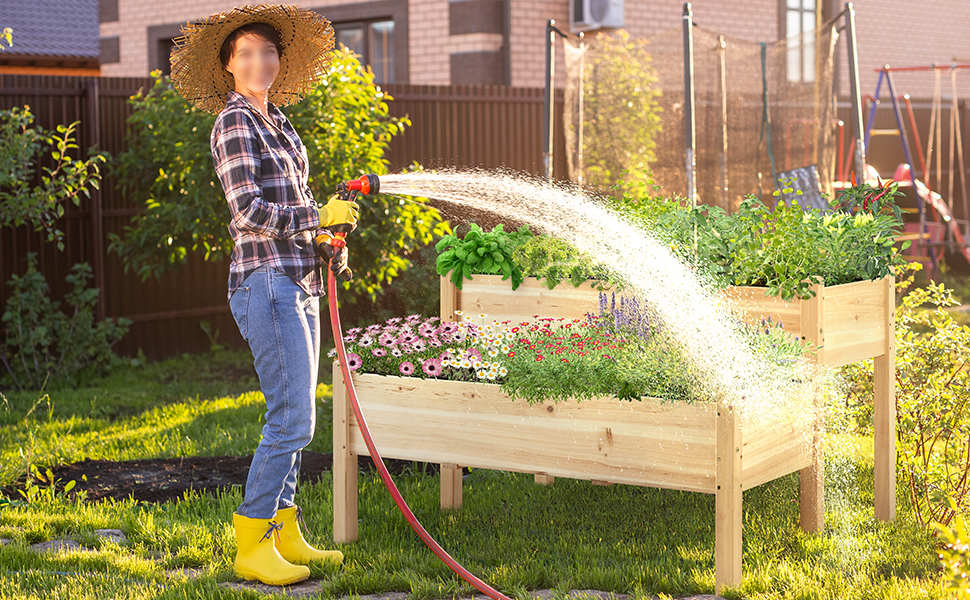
(307,40)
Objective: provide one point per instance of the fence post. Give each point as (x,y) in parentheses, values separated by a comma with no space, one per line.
(548,121)
(92,97)
(690,139)
(855,93)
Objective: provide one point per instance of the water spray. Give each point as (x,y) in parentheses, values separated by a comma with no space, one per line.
(348,191)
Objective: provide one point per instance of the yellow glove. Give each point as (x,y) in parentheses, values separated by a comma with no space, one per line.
(339,212)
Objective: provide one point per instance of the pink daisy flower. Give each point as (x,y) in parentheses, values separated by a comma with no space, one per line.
(378,352)
(432,367)
(407,367)
(354,361)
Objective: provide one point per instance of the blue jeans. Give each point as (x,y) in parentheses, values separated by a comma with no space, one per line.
(281,323)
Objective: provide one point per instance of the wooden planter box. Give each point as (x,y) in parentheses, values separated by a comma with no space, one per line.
(698,448)
(847,323)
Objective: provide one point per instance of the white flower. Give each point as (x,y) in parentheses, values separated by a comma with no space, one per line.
(491,374)
(332,352)
(477,364)
(445,363)
(494,365)
(481,374)
(396,351)
(465,364)
(503,371)
(365,341)
(492,352)
(506,349)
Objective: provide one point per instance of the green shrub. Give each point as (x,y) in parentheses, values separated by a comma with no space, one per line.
(43,344)
(344,123)
(955,556)
(41,205)
(932,401)
(553,260)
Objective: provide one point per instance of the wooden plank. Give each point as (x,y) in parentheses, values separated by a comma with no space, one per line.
(884,413)
(728,513)
(344,465)
(544,479)
(854,322)
(495,298)
(669,445)
(751,305)
(451,479)
(773,452)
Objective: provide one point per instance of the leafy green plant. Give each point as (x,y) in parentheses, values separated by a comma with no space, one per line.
(41,205)
(481,252)
(44,344)
(553,260)
(955,554)
(346,127)
(786,249)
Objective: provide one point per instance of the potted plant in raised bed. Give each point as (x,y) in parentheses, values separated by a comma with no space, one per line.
(826,276)
(608,398)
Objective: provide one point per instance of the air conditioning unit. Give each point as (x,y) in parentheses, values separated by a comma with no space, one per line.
(586,15)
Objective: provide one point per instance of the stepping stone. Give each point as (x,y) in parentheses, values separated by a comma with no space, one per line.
(67,545)
(187,572)
(302,589)
(112,535)
(5,541)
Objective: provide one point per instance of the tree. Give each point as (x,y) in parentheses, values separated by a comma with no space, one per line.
(344,123)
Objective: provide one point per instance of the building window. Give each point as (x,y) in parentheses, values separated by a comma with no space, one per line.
(373,41)
(800,33)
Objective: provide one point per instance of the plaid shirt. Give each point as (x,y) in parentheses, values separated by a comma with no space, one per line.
(264,171)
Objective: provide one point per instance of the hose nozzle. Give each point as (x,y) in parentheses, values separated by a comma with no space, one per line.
(367,185)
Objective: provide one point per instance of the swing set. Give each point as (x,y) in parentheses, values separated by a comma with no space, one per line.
(946,231)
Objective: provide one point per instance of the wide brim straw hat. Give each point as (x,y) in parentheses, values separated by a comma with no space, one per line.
(307,42)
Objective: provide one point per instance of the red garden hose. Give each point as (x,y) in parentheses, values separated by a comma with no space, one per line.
(338,337)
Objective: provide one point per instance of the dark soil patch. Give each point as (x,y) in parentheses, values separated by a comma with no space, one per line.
(166,479)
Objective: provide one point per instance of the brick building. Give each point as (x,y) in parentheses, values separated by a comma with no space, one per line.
(501,41)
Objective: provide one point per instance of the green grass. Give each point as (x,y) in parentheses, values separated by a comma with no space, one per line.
(514,534)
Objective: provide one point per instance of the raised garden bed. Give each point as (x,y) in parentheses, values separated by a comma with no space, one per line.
(692,447)
(847,323)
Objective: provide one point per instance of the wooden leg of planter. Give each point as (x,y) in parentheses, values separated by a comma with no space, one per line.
(812,479)
(449,300)
(884,413)
(450,486)
(543,479)
(344,465)
(812,493)
(727,550)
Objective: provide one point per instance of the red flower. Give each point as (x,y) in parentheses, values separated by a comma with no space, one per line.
(565,360)
(511,354)
(539,357)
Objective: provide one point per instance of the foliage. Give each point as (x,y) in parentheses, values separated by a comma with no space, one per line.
(20,149)
(932,401)
(480,252)
(44,344)
(553,260)
(622,352)
(785,248)
(622,111)
(955,555)
(346,127)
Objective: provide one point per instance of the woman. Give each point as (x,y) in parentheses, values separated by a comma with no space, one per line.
(275,274)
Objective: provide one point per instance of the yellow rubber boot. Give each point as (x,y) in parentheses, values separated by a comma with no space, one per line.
(291,544)
(256,554)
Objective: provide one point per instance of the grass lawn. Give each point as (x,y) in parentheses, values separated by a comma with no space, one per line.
(513,534)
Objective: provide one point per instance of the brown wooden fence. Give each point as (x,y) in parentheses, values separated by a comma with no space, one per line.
(467,126)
